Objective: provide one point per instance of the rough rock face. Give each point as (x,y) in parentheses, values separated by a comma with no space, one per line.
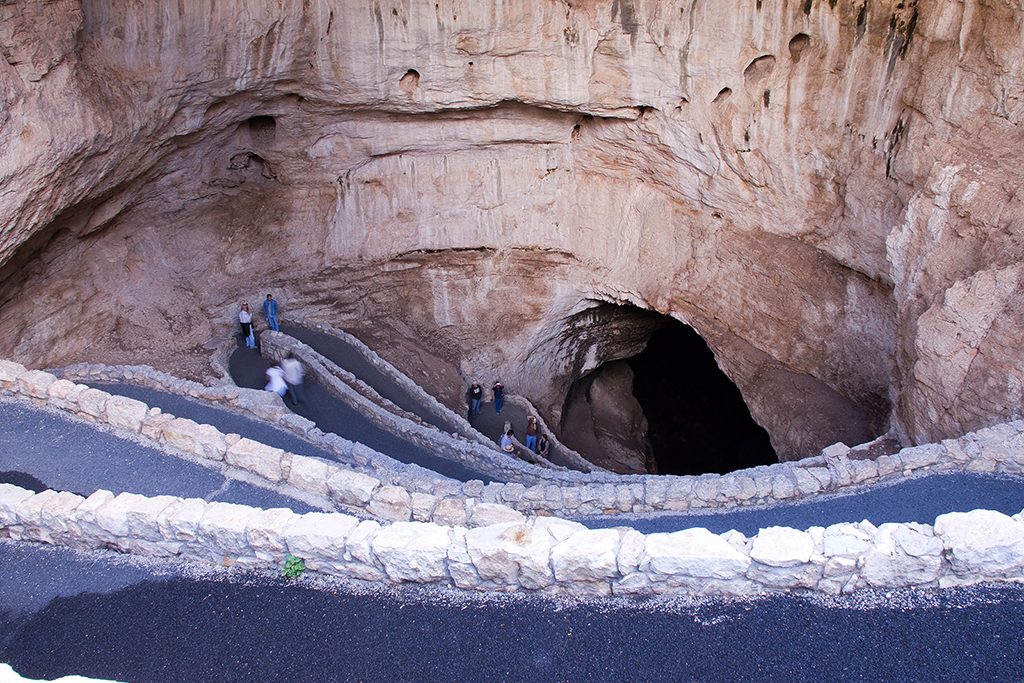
(826,191)
(605,424)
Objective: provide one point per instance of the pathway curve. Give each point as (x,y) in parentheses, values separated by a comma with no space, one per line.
(115,617)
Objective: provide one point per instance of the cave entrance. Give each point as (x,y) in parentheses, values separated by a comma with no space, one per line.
(660,404)
(697,419)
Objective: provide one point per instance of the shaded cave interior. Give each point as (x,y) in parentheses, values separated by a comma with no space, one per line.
(665,409)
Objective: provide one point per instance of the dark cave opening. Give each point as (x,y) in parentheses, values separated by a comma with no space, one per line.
(697,419)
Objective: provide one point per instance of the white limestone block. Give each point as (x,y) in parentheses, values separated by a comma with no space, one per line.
(847,540)
(917,457)
(92,402)
(391,503)
(144,515)
(33,523)
(631,548)
(451,512)
(182,524)
(486,514)
(840,566)
(9,374)
(126,413)
(422,505)
(11,497)
(413,551)
(112,517)
(783,487)
(692,553)
(836,450)
(982,542)
(806,483)
(202,440)
(352,488)
(265,532)
(560,529)
(589,555)
(153,425)
(887,565)
(266,461)
(84,529)
(511,554)
(320,536)
(460,563)
(221,529)
(310,474)
(359,546)
(779,546)
(58,393)
(35,384)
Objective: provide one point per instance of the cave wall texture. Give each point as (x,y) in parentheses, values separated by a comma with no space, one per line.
(826,190)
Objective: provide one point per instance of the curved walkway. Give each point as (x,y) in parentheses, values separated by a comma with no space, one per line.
(487,422)
(104,616)
(117,618)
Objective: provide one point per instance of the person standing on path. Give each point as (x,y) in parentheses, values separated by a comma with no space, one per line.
(270,310)
(293,374)
(531,433)
(475,396)
(499,396)
(245,318)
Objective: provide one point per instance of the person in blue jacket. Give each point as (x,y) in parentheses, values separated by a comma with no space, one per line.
(270,310)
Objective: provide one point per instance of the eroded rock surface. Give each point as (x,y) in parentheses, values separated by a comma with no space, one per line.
(826,191)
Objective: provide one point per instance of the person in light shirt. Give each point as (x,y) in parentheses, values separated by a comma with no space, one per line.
(275,380)
(293,374)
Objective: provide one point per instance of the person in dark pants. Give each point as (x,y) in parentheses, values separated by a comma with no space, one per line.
(499,396)
(293,374)
(270,310)
(476,394)
(245,319)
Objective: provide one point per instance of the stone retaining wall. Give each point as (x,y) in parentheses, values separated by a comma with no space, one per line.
(996,449)
(544,554)
(577,461)
(459,535)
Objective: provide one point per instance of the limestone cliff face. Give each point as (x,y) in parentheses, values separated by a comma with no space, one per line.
(826,191)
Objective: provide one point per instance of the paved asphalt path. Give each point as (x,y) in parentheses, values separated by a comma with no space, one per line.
(919,499)
(107,616)
(70,455)
(345,356)
(248,369)
(487,421)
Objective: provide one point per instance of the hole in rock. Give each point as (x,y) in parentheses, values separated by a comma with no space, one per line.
(262,129)
(660,403)
(722,96)
(759,69)
(410,82)
(797,45)
(697,419)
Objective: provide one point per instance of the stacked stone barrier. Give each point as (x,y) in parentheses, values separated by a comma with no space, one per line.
(998,449)
(468,536)
(277,340)
(548,555)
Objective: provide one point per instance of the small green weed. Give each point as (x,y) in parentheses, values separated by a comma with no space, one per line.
(293,567)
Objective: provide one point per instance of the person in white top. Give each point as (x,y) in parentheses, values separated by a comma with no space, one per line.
(245,318)
(293,374)
(275,383)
